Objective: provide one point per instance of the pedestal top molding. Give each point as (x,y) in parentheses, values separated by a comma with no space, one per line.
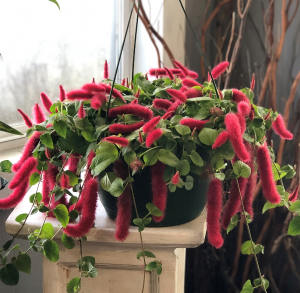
(191,234)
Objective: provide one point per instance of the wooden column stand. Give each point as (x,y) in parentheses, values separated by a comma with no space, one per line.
(118,268)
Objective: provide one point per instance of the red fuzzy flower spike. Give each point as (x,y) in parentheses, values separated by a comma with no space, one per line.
(193,93)
(294,195)
(26,119)
(15,197)
(92,87)
(24,173)
(149,126)
(98,100)
(81,111)
(123,82)
(242,122)
(64,181)
(167,115)
(93,81)
(161,104)
(141,140)
(159,188)
(235,136)
(193,74)
(125,129)
(38,114)
(169,73)
(138,93)
(214,208)
(153,136)
(177,95)
(122,141)
(45,188)
(279,128)
(134,102)
(244,108)
(252,82)
(183,69)
(221,139)
(88,211)
(46,102)
(193,123)
(175,178)
(105,74)
(266,175)
(62,93)
(190,83)
(27,151)
(176,71)
(252,114)
(137,110)
(73,163)
(238,96)
(157,71)
(218,70)
(79,95)
(183,89)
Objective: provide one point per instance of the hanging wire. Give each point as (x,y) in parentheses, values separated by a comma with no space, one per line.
(196,39)
(118,64)
(135,36)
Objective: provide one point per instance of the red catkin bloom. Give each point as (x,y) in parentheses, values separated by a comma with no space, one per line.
(38,114)
(15,197)
(214,208)
(268,115)
(92,87)
(279,128)
(81,111)
(24,172)
(183,89)
(153,136)
(193,74)
(177,95)
(149,126)
(141,140)
(88,211)
(47,153)
(73,163)
(98,100)
(93,81)
(137,110)
(251,115)
(161,104)
(122,141)
(221,139)
(125,129)
(193,93)
(79,95)
(184,70)
(136,164)
(105,73)
(266,175)
(157,71)
(64,181)
(235,136)
(294,195)
(27,151)
(169,73)
(26,119)
(238,96)
(45,188)
(218,70)
(175,178)
(134,102)
(190,83)
(123,82)
(167,115)
(220,94)
(127,82)
(252,82)
(234,203)
(175,105)
(46,102)
(193,123)
(115,93)
(242,122)
(62,93)
(244,108)
(159,188)
(138,93)
(176,71)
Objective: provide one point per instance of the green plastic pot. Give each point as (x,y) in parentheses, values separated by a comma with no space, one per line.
(182,206)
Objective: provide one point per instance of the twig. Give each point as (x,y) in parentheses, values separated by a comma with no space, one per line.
(231,36)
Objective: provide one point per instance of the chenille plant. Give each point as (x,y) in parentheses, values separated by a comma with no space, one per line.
(164,120)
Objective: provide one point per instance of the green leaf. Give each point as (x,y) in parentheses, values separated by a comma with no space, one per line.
(23,263)
(208,136)
(151,266)
(62,215)
(51,251)
(9,275)
(153,210)
(54,1)
(73,178)
(159,269)
(138,221)
(67,241)
(182,129)
(146,254)
(247,248)
(59,193)
(38,197)
(46,139)
(74,285)
(257,282)
(47,231)
(168,158)
(220,176)
(117,187)
(20,218)
(247,288)
(7,245)
(5,166)
(189,183)
(294,227)
(233,223)
(129,157)
(295,207)
(183,167)
(34,178)
(6,128)
(101,162)
(196,158)
(89,136)
(151,157)
(60,127)
(269,205)
(241,169)
(147,221)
